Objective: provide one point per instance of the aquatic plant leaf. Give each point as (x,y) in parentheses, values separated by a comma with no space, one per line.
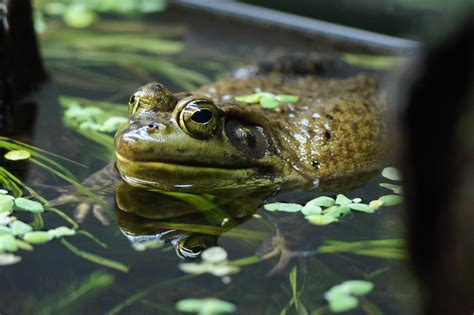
(6,204)
(342,200)
(287,98)
(6,219)
(37,237)
(194,268)
(151,244)
(28,205)
(206,306)
(16,155)
(4,230)
(358,287)
(391,173)
(19,228)
(391,200)
(337,212)
(214,254)
(362,207)
(267,101)
(7,243)
(113,123)
(342,303)
(249,99)
(322,201)
(220,270)
(3,192)
(375,204)
(77,15)
(189,305)
(23,245)
(318,219)
(310,209)
(357,200)
(397,189)
(61,231)
(9,259)
(281,206)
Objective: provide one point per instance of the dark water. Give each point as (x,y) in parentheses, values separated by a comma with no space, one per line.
(52,280)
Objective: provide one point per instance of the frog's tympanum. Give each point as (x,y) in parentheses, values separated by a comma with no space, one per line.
(207,142)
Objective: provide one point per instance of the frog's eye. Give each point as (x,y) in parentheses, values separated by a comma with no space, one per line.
(198,117)
(133,104)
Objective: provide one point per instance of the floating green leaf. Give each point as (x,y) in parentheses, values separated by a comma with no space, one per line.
(79,16)
(16,155)
(7,243)
(342,200)
(342,303)
(60,232)
(397,189)
(3,192)
(322,201)
(281,206)
(391,173)
(37,237)
(267,101)
(249,99)
(375,204)
(336,211)
(6,203)
(20,228)
(207,306)
(318,219)
(287,98)
(311,209)
(391,200)
(214,254)
(358,287)
(4,230)
(361,207)
(28,205)
(341,297)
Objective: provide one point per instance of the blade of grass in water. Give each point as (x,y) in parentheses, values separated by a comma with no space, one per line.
(92,237)
(89,287)
(141,294)
(65,217)
(19,183)
(78,185)
(95,258)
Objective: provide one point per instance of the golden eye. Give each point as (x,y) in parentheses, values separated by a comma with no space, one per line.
(198,117)
(133,104)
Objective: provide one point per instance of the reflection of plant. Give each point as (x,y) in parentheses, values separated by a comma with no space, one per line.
(214,261)
(206,306)
(325,210)
(343,297)
(14,233)
(80,14)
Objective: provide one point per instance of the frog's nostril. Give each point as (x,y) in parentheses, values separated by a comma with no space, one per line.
(156,125)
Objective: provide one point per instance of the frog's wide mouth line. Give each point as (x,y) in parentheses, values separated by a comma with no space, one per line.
(177,167)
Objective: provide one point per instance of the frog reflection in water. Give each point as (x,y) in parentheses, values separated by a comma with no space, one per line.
(205,141)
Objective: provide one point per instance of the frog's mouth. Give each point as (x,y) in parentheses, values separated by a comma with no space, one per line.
(186,178)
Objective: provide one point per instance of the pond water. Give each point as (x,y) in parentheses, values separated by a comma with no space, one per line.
(101,67)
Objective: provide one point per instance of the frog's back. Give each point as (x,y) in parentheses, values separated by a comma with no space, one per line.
(334,134)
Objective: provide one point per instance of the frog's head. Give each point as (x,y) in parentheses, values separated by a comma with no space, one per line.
(187,142)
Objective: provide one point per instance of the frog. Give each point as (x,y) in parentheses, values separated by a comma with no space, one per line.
(207,141)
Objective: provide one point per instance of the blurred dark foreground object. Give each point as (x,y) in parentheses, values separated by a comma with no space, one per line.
(438,126)
(21,69)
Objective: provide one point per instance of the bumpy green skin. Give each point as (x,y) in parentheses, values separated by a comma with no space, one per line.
(331,139)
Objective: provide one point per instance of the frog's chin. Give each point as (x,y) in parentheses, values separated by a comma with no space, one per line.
(192,179)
